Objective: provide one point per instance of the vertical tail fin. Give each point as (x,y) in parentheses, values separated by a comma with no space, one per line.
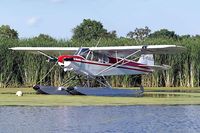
(146,59)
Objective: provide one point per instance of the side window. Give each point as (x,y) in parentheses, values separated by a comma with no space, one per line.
(83,52)
(97,57)
(106,59)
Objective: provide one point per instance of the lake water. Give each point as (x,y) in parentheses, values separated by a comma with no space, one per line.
(93,119)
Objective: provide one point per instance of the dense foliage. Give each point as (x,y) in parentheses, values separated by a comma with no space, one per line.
(91,29)
(8,33)
(139,33)
(25,69)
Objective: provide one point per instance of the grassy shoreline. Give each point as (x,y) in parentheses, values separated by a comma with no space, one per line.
(8,98)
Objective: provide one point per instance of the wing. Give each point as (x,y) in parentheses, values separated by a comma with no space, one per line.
(123,51)
(54,51)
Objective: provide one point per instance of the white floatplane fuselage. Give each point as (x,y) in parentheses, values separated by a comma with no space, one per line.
(106,67)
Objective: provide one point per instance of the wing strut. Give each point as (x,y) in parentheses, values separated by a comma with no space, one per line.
(45,54)
(110,67)
(50,58)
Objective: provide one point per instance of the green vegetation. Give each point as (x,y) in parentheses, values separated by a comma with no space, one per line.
(91,30)
(7,33)
(19,69)
(139,33)
(8,98)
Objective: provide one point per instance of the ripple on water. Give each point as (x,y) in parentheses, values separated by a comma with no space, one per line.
(87,119)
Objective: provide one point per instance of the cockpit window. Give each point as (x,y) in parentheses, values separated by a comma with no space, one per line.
(83,52)
(98,57)
(93,56)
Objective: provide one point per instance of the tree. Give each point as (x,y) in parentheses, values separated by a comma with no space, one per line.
(139,33)
(44,37)
(185,36)
(7,32)
(91,29)
(164,33)
(112,34)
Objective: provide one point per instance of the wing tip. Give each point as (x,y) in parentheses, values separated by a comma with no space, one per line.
(12,48)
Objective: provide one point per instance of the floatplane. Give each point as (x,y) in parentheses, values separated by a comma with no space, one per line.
(92,62)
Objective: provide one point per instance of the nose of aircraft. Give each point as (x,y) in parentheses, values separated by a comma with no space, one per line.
(65,60)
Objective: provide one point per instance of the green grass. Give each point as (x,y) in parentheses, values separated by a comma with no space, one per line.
(8,98)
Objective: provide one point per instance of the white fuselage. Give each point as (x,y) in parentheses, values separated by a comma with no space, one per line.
(98,68)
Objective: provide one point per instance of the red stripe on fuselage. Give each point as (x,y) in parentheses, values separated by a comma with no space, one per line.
(125,64)
(103,64)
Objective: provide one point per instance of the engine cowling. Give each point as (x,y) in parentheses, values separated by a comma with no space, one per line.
(65,61)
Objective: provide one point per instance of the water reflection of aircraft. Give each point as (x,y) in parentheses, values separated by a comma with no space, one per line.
(93,62)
